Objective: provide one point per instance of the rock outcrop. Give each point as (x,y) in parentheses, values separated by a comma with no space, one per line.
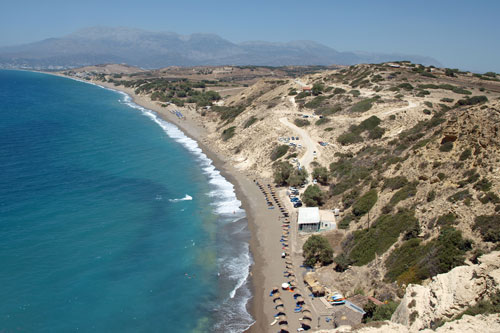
(449,294)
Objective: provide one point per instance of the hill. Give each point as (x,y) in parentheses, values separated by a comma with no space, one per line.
(147,49)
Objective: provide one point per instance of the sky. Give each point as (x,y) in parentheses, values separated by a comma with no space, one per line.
(459,34)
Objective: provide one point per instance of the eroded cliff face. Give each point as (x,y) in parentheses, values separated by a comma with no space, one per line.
(479,323)
(447,295)
(442,299)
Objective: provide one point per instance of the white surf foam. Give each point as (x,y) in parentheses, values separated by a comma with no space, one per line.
(226,204)
(186,198)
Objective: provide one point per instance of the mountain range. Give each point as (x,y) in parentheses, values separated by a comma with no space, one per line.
(98,45)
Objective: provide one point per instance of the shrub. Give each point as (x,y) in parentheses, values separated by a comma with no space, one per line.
(338,91)
(301,122)
(447,100)
(365,203)
(228,133)
(313,196)
(488,226)
(363,105)
(315,102)
(342,262)
(355,93)
(447,219)
(349,138)
(395,182)
(380,312)
(489,197)
(431,196)
(369,123)
(413,262)
(462,91)
(407,191)
(406,86)
(317,88)
(228,113)
(484,306)
(321,175)
(250,122)
(344,223)
(380,236)
(376,133)
(472,100)
(459,196)
(317,250)
(465,154)
(286,174)
(279,151)
(483,185)
(322,121)
(446,147)
(427,111)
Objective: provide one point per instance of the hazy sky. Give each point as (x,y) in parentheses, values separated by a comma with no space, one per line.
(458,33)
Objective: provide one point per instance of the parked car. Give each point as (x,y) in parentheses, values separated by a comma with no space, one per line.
(297,204)
(294,199)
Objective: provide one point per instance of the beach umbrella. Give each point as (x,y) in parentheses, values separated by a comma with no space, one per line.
(275,289)
(306,324)
(306,312)
(280,307)
(282,317)
(284,327)
(300,300)
(276,298)
(278,301)
(279,314)
(306,317)
(289,262)
(297,295)
(285,285)
(277,294)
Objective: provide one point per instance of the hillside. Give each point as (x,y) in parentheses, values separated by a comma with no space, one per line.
(408,153)
(146,49)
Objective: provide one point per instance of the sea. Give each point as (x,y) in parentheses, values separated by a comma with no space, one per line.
(111,219)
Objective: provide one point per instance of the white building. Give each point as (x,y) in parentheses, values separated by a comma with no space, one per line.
(311,219)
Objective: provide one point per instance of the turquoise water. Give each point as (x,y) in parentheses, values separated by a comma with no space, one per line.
(111,220)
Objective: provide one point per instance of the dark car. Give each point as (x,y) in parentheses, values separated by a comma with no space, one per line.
(297,204)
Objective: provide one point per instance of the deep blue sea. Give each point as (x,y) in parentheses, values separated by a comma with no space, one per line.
(111,220)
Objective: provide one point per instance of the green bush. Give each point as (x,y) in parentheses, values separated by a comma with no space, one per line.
(279,151)
(488,226)
(465,154)
(355,93)
(413,262)
(459,196)
(365,203)
(379,312)
(406,86)
(447,219)
(380,236)
(446,147)
(317,250)
(447,100)
(228,133)
(376,133)
(338,91)
(462,91)
(472,100)
(315,102)
(317,88)
(322,121)
(431,196)
(483,185)
(395,183)
(342,262)
(344,223)
(301,122)
(228,113)
(407,191)
(369,123)
(349,138)
(250,122)
(489,197)
(313,196)
(321,175)
(363,105)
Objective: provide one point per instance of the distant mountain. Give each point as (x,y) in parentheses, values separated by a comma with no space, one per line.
(147,49)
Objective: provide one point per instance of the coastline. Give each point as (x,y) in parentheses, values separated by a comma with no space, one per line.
(246,191)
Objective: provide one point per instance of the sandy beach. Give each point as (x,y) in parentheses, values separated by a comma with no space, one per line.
(265,224)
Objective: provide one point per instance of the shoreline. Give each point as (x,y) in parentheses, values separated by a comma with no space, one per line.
(244,188)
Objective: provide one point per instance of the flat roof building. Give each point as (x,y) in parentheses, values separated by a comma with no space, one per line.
(311,219)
